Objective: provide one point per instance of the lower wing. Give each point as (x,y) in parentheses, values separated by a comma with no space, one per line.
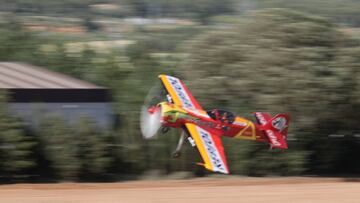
(210,148)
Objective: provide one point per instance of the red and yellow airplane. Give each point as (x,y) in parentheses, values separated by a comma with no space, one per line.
(204,129)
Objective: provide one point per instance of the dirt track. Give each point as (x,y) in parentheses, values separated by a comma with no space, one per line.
(207,190)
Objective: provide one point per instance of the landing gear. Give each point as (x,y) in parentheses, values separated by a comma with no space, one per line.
(177,152)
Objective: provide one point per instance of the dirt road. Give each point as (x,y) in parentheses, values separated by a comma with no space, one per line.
(209,190)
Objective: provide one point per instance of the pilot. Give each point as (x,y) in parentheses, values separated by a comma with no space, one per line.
(224,118)
(217,115)
(221,115)
(214,114)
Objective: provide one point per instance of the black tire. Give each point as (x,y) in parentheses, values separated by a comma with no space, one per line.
(176,154)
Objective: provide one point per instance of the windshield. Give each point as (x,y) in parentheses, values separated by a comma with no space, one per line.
(221,115)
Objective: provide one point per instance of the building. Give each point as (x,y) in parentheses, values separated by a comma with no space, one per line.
(35,92)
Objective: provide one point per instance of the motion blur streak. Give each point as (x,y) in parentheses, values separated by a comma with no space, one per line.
(297,57)
(204,190)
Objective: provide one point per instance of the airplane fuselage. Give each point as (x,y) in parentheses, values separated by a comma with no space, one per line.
(176,116)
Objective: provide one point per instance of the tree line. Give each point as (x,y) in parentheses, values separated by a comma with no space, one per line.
(345,12)
(273,60)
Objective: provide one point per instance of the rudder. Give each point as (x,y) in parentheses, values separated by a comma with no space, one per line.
(275,128)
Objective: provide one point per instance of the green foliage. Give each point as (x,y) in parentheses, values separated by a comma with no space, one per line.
(274,60)
(199,9)
(280,61)
(90,25)
(340,11)
(48,6)
(91,149)
(16,147)
(79,153)
(60,147)
(255,159)
(165,41)
(16,44)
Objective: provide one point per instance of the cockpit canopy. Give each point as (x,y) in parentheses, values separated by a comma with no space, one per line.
(221,115)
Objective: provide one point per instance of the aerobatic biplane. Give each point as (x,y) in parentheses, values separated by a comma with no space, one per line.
(204,129)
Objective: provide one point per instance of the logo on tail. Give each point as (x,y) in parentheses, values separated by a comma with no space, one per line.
(279,123)
(274,128)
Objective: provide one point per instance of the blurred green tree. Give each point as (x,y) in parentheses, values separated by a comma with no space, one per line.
(91,150)
(16,44)
(279,61)
(201,10)
(16,148)
(344,12)
(60,147)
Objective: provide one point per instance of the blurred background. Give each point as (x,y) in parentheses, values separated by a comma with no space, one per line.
(299,57)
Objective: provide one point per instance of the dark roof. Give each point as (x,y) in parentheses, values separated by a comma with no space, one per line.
(15,75)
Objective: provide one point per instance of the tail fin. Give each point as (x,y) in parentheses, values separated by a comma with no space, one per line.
(275,128)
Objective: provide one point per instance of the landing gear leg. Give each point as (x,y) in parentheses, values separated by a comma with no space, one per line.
(177,152)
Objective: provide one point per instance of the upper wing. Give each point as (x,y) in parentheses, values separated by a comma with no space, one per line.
(178,92)
(210,148)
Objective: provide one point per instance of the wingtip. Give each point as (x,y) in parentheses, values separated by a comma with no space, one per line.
(200,164)
(225,171)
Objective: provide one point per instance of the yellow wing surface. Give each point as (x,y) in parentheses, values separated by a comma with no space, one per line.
(179,93)
(210,148)
(208,145)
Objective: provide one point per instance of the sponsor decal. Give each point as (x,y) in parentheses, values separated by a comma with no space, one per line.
(273,138)
(261,118)
(212,151)
(279,123)
(181,92)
